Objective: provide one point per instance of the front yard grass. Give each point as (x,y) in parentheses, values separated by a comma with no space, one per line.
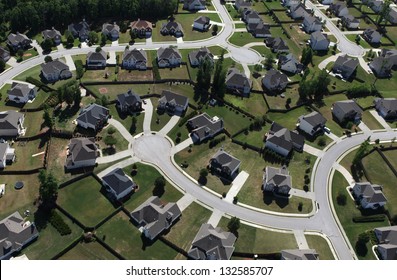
(88,251)
(187,19)
(121,145)
(321,246)
(126,120)
(159,119)
(370,121)
(243,38)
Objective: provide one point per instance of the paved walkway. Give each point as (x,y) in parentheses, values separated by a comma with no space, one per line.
(115,43)
(149,40)
(215,218)
(247,71)
(185,201)
(237,184)
(381,120)
(217,23)
(115,157)
(112,58)
(301,239)
(60,47)
(302,193)
(181,146)
(332,136)
(167,128)
(36,45)
(121,164)
(179,40)
(70,62)
(364,65)
(148,107)
(240,30)
(313,151)
(364,127)
(121,128)
(349,178)
(12,62)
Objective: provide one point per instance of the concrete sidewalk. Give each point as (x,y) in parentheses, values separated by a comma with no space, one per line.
(364,65)
(70,62)
(364,127)
(148,107)
(349,178)
(115,157)
(332,136)
(123,131)
(381,120)
(313,151)
(247,71)
(185,201)
(237,184)
(215,218)
(167,128)
(112,58)
(121,164)
(182,146)
(302,193)
(301,239)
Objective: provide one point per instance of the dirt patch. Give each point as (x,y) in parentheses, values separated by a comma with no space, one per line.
(27,54)
(126,75)
(103,90)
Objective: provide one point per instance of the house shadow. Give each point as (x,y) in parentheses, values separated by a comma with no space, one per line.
(281,201)
(115,203)
(14,104)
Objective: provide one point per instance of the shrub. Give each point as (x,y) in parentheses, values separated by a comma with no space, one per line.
(341,199)
(111,130)
(321,141)
(59,224)
(369,219)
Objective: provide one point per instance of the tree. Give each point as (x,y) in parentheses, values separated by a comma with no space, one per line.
(47,45)
(48,190)
(159,186)
(47,59)
(321,141)
(384,13)
(69,38)
(203,172)
(361,151)
(93,37)
(341,199)
(79,69)
(307,56)
(110,140)
(204,74)
(103,39)
(48,120)
(269,60)
(20,53)
(133,124)
(215,29)
(233,225)
(98,49)
(357,39)
(218,85)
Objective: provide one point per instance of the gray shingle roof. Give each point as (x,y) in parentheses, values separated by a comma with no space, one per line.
(224,159)
(235,77)
(172,97)
(284,137)
(9,120)
(201,54)
(118,181)
(275,78)
(370,193)
(277,180)
(171,25)
(18,38)
(101,56)
(129,98)
(314,118)
(54,66)
(345,61)
(347,106)
(138,55)
(299,254)
(203,125)
(51,34)
(93,113)
(81,149)
(202,20)
(167,53)
(20,90)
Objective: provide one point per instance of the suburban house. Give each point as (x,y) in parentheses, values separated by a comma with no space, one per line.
(4,54)
(93,116)
(242,4)
(55,70)
(153,216)
(350,21)
(52,34)
(225,164)
(82,152)
(283,141)
(111,31)
(289,3)
(202,23)
(375,5)
(18,41)
(134,59)
(172,28)
(16,233)
(386,107)
(370,196)
(277,45)
(21,93)
(80,30)
(345,66)
(312,24)
(198,56)
(11,124)
(194,5)
(168,57)
(129,102)
(312,123)
(259,30)
(339,9)
(392,15)
(298,11)
(96,60)
(327,2)
(319,41)
(387,238)
(371,36)
(289,63)
(142,28)
(277,180)
(381,66)
(250,16)
(118,184)
(275,81)
(212,244)
(7,154)
(173,103)
(203,127)
(346,110)
(300,254)
(238,82)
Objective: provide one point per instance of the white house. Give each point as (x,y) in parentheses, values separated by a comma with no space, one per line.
(370,196)
(21,93)
(319,41)
(7,154)
(327,2)
(312,123)
(11,124)
(96,59)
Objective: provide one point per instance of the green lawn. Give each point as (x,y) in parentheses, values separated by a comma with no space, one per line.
(254,138)
(120,234)
(297,168)
(88,251)
(362,42)
(290,119)
(25,155)
(32,123)
(104,75)
(243,38)
(41,97)
(260,7)
(392,157)
(320,245)
(126,120)
(370,121)
(113,90)
(121,145)
(273,5)
(173,134)
(85,202)
(254,105)
(282,16)
(159,120)
(263,50)
(172,73)
(187,19)
(278,102)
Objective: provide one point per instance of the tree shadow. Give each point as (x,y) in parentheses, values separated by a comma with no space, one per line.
(281,201)
(158,191)
(41,218)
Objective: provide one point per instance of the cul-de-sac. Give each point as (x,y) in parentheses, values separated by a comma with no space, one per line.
(198,129)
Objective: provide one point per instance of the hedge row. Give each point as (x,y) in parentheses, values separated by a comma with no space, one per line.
(186,118)
(368,219)
(59,224)
(216,141)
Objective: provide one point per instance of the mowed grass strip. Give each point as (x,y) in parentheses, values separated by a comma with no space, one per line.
(321,246)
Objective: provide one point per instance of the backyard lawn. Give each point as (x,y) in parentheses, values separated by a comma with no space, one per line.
(32,123)
(28,155)
(174,73)
(255,104)
(254,137)
(88,251)
(290,119)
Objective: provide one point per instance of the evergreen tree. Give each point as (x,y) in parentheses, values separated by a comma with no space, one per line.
(204,75)
(233,225)
(269,60)
(48,190)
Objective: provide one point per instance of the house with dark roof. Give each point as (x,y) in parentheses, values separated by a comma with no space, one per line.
(7,154)
(93,116)
(298,11)
(289,3)
(369,196)
(142,28)
(283,141)
(52,34)
(289,63)
(18,41)
(4,54)
(384,63)
(21,93)
(15,234)
(387,242)
(225,164)
(345,66)
(111,31)
(202,23)
(392,16)
(312,123)
(80,30)
(172,28)
(11,124)
(212,244)
(375,5)
(371,36)
(96,60)
(194,5)
(204,127)
(238,82)
(259,30)
(346,110)
(250,17)
(339,9)
(199,55)
(300,254)
(277,180)
(82,152)
(319,41)
(129,102)
(154,217)
(275,81)
(168,57)
(326,2)
(312,24)
(242,4)
(118,184)
(386,107)
(173,103)
(134,59)
(277,45)
(350,21)
(55,70)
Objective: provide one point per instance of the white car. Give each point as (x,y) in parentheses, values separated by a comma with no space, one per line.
(327,130)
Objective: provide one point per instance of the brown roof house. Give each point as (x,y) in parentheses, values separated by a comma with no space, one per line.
(82,152)
(225,164)
(154,217)
(203,127)
(212,244)
(238,82)
(387,238)
(370,196)
(142,28)
(134,59)
(283,141)
(277,180)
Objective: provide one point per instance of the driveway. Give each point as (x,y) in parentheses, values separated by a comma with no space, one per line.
(170,125)
(70,62)
(148,108)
